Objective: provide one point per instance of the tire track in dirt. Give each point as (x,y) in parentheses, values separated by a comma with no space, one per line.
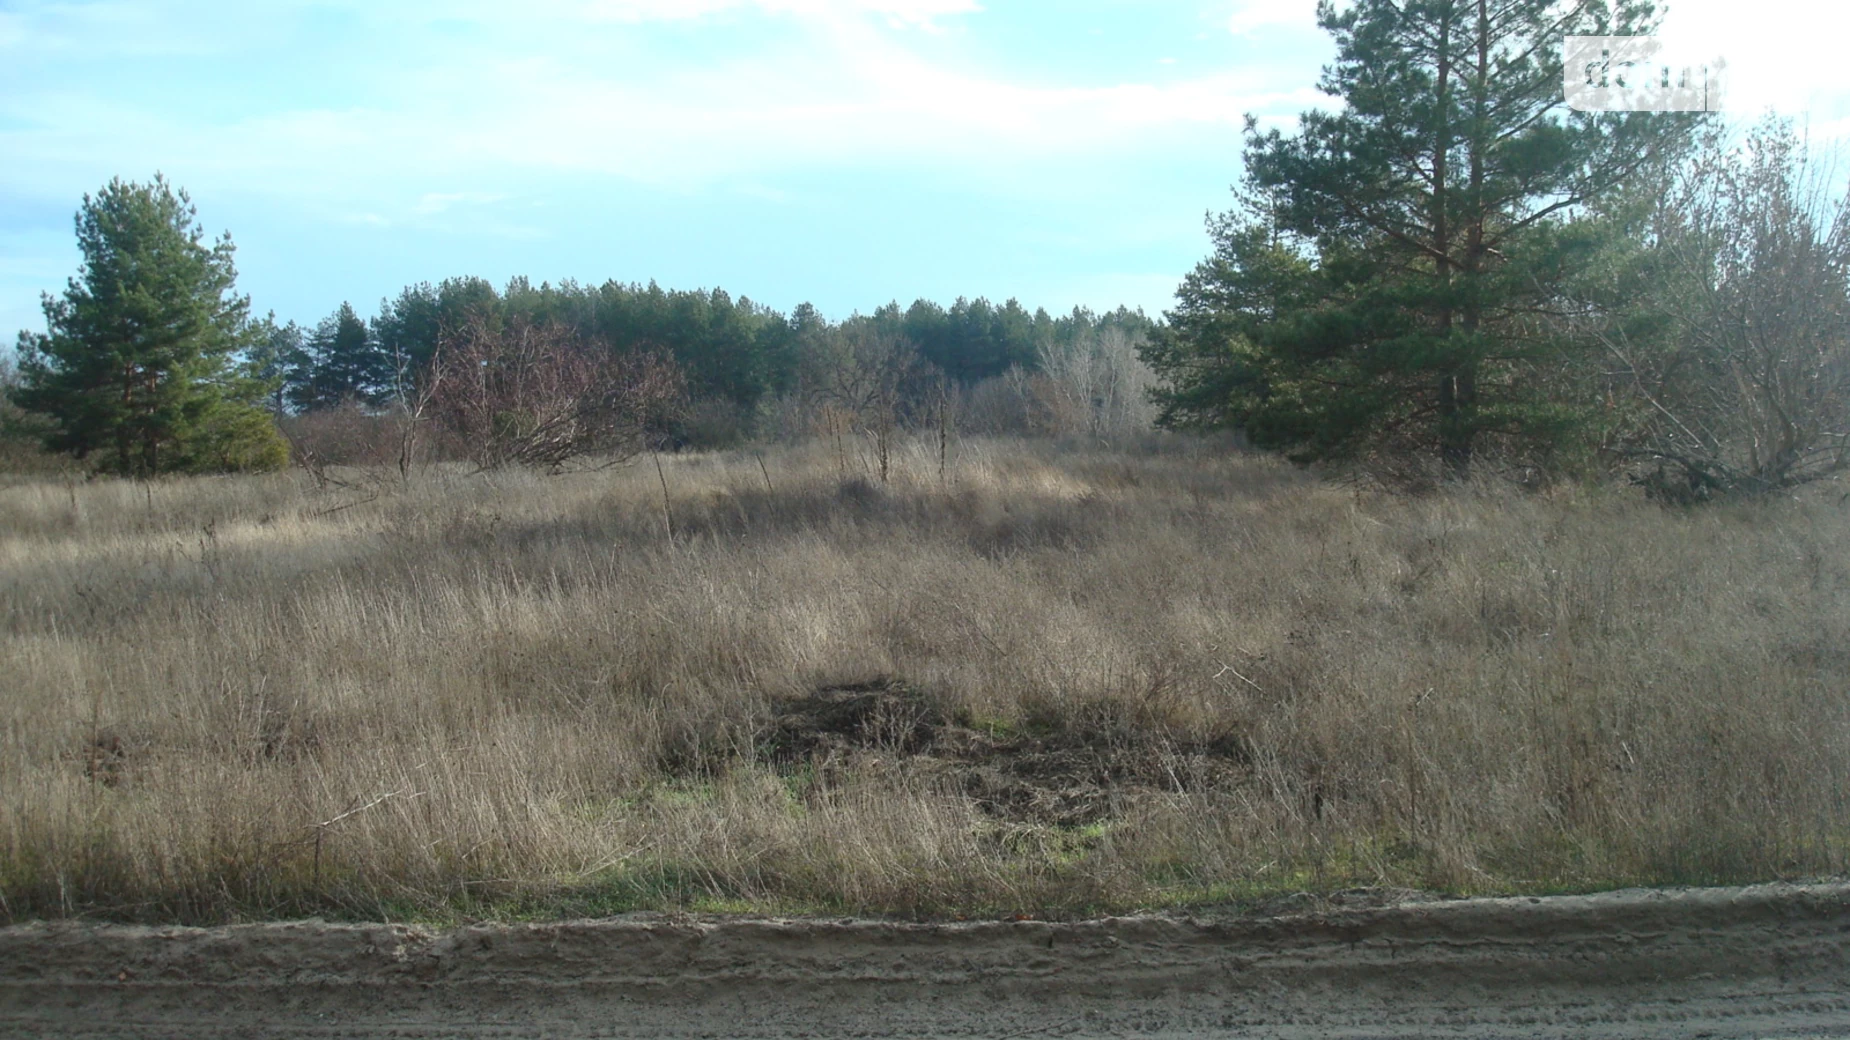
(1764,962)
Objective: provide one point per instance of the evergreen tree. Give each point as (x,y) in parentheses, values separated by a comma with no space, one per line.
(345,365)
(278,358)
(1380,284)
(408,329)
(138,369)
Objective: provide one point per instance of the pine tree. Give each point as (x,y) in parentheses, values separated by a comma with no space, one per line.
(408,331)
(276,357)
(345,365)
(1380,284)
(138,369)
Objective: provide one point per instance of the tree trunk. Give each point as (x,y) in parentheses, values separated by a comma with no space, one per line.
(124,441)
(1459,397)
(1454,433)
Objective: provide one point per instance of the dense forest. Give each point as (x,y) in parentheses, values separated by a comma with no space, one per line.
(732,350)
(740,369)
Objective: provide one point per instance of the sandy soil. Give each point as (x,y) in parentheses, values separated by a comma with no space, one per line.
(1760,962)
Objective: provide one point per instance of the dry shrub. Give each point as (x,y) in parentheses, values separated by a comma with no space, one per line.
(1744,388)
(1113,679)
(345,436)
(518,393)
(1017,403)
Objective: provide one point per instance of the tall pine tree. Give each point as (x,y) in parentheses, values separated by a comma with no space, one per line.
(138,369)
(1380,285)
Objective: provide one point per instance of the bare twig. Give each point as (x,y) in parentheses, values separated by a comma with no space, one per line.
(342,508)
(321,828)
(667,512)
(355,812)
(1226,668)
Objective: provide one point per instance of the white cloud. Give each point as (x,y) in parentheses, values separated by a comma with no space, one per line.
(436,202)
(1778,53)
(1250,16)
(570,87)
(918,13)
(40,28)
(844,91)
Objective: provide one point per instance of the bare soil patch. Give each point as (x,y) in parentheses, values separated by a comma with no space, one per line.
(1065,770)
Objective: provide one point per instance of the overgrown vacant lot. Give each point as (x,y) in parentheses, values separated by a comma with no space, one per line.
(1051,681)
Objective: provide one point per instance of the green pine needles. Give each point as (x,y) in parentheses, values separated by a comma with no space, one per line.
(1383,288)
(142,368)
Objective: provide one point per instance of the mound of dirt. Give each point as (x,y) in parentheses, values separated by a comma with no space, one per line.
(1059,775)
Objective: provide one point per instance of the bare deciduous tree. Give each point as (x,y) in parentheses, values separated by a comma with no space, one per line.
(1747,388)
(1097,383)
(859,380)
(539,395)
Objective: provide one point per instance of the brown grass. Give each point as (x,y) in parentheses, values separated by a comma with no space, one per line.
(1056,682)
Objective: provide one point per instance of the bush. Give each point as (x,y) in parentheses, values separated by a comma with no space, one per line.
(1737,352)
(540,395)
(239,439)
(343,436)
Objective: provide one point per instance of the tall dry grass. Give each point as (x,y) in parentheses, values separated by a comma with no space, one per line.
(509,694)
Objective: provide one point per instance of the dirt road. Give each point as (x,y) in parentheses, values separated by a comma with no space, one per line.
(1761,962)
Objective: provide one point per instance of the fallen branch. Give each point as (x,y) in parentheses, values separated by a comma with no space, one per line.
(350,505)
(321,828)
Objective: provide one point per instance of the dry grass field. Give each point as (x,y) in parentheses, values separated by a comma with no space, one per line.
(1050,681)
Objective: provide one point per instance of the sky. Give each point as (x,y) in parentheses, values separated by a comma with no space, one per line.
(846,153)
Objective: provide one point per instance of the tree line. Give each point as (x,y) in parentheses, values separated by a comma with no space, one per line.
(151,362)
(1448,271)
(732,350)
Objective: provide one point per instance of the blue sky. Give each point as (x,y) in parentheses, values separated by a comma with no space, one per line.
(843,152)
